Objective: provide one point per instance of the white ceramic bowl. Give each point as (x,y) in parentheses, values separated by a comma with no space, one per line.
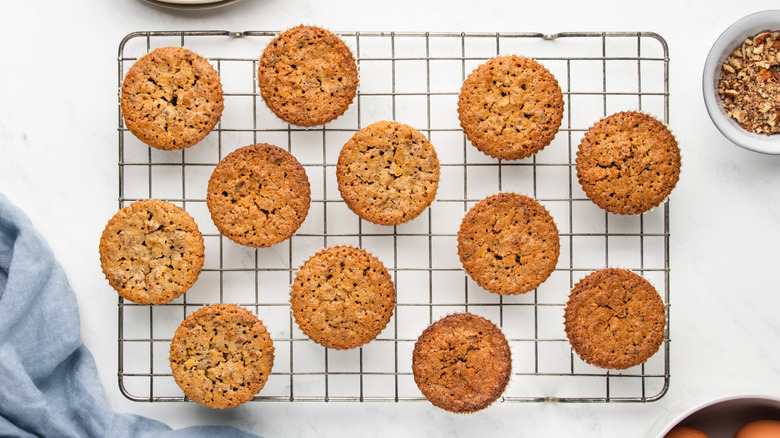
(191,4)
(718,417)
(729,40)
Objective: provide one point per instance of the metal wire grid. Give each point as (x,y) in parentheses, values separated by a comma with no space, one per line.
(413,78)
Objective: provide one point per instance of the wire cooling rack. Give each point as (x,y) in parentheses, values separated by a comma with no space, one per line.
(413,78)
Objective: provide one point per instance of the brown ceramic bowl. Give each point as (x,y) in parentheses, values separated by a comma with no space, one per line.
(718,417)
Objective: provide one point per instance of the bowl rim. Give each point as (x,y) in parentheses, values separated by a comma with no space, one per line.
(681,412)
(191,4)
(743,28)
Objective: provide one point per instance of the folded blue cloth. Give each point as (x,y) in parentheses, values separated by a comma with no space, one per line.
(49,385)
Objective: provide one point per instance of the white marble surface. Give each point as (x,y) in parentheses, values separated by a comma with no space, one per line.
(58,163)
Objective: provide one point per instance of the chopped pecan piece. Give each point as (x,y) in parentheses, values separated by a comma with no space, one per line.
(749,83)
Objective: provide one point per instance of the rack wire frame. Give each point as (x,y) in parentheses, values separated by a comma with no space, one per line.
(418,254)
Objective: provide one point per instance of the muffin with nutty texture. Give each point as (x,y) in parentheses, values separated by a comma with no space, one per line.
(510,107)
(388,173)
(151,252)
(171,98)
(508,243)
(614,319)
(307,76)
(628,163)
(221,356)
(462,363)
(258,195)
(342,297)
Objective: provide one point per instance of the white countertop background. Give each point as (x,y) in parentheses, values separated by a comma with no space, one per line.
(58,162)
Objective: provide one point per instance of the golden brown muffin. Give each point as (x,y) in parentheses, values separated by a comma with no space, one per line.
(462,363)
(614,319)
(221,356)
(258,195)
(171,98)
(510,107)
(388,173)
(307,76)
(628,163)
(508,243)
(151,252)
(342,297)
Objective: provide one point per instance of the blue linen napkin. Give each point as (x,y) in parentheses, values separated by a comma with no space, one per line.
(49,385)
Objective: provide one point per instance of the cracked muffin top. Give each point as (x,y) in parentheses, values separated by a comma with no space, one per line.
(151,252)
(615,319)
(171,98)
(462,363)
(628,163)
(221,356)
(508,243)
(510,107)
(342,297)
(258,195)
(388,173)
(307,76)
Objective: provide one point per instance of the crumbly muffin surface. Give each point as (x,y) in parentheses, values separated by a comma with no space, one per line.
(462,363)
(342,297)
(221,356)
(258,195)
(171,98)
(510,107)
(508,243)
(388,173)
(615,319)
(307,76)
(628,163)
(151,252)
